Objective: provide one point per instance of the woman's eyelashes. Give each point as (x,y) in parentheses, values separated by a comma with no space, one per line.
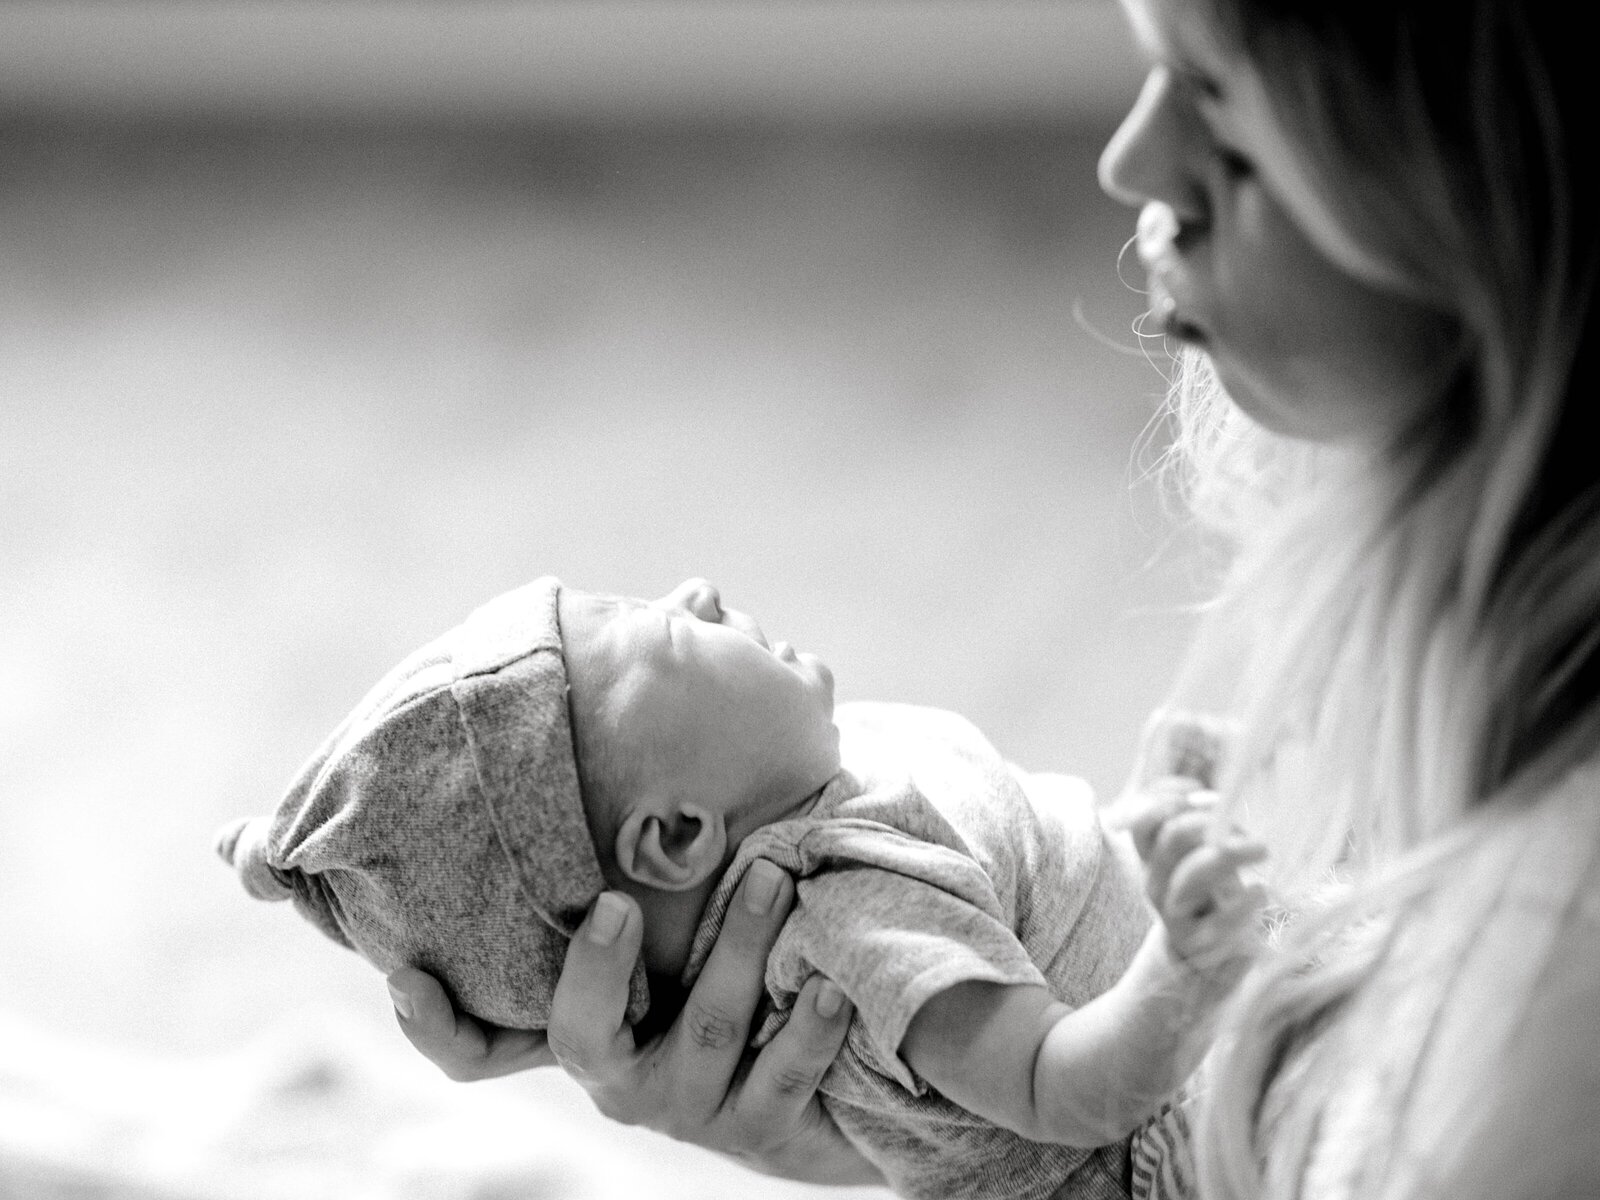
(1235,164)
(1209,110)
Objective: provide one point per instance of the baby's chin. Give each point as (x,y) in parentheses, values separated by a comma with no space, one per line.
(810,801)
(787,800)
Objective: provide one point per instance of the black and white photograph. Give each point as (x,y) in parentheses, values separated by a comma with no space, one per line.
(976,599)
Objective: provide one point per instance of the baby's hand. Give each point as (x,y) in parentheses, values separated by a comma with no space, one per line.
(1194,875)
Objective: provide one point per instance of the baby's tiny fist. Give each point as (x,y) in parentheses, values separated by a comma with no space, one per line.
(1210,910)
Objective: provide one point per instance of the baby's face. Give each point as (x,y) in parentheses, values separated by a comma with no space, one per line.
(684,698)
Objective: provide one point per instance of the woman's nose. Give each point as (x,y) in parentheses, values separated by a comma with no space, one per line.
(1149,158)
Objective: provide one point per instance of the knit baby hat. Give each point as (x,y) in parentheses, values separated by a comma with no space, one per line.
(441,826)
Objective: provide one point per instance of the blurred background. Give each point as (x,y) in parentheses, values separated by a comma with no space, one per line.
(321,323)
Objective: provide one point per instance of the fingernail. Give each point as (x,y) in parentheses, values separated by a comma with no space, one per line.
(829,1000)
(606,921)
(401,1001)
(761,886)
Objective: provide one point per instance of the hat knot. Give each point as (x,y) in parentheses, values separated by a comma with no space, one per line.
(242,844)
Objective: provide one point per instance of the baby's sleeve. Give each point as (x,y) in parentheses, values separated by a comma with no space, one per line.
(892,940)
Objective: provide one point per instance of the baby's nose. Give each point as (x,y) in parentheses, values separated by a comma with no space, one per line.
(701,598)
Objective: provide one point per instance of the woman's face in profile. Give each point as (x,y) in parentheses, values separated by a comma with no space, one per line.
(1246,260)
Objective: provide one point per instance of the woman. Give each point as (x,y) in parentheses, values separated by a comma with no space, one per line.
(1369,227)
(1364,221)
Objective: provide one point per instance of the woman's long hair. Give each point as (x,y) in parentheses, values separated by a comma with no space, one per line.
(1413,630)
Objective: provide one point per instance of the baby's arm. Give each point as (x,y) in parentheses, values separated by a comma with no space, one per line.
(1088,1076)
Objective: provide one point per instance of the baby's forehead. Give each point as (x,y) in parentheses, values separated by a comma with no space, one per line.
(583,612)
(598,628)
(605,649)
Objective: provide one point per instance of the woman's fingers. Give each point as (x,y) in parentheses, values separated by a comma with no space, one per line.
(679,1082)
(460,1046)
(697,1082)
(775,1122)
(782,1082)
(589,1035)
(702,1050)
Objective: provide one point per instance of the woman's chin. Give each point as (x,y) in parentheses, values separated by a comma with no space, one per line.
(1267,409)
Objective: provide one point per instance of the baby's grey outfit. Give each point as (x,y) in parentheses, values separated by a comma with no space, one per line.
(926,863)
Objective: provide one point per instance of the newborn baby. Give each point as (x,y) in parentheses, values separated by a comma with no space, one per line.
(1018,1018)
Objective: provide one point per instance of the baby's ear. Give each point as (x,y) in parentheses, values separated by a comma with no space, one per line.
(673,849)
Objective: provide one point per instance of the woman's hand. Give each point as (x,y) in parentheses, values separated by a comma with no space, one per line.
(695,1082)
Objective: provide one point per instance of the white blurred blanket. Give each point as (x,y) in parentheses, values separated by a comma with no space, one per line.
(319,1108)
(314,1109)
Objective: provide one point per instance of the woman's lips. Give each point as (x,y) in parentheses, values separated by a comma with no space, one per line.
(1157,242)
(1168,315)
